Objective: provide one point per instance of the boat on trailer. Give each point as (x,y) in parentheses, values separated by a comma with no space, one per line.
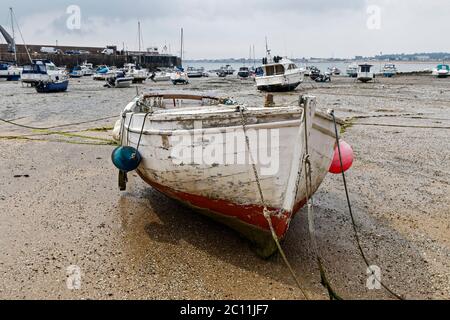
(280,74)
(193,148)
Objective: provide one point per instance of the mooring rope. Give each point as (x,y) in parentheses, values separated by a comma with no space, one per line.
(355,229)
(310,205)
(266,212)
(11,122)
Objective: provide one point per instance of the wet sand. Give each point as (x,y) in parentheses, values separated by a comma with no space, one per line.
(60,204)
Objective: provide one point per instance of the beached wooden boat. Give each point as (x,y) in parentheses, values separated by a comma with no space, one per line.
(197,154)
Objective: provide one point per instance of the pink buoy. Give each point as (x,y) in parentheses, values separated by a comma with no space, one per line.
(347,158)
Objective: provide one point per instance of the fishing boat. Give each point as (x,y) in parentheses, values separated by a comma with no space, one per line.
(195,72)
(76,72)
(280,74)
(119,80)
(138,74)
(9,72)
(200,151)
(442,71)
(365,73)
(352,70)
(41,71)
(389,70)
(244,72)
(179,77)
(52,86)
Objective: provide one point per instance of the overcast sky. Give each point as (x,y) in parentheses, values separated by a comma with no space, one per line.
(223,29)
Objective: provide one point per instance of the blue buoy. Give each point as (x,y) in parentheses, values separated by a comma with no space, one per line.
(126,158)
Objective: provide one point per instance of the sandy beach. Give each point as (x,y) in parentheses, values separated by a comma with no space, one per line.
(60,203)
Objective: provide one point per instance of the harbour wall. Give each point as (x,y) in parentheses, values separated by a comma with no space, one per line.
(119,58)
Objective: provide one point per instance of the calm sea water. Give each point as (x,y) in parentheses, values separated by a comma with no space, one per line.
(323,66)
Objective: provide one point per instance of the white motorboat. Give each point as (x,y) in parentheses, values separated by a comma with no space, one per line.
(179,77)
(442,71)
(9,71)
(195,72)
(119,80)
(352,70)
(389,70)
(138,74)
(280,74)
(41,70)
(87,69)
(203,152)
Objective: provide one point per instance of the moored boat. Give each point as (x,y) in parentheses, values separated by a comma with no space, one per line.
(41,70)
(200,151)
(334,71)
(365,73)
(161,75)
(195,72)
(280,74)
(244,72)
(138,74)
(52,86)
(9,71)
(179,77)
(76,72)
(352,70)
(119,80)
(389,70)
(442,71)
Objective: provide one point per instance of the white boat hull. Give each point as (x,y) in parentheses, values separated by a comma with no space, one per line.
(229,192)
(285,82)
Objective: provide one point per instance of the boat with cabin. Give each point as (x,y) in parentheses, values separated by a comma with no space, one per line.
(138,74)
(118,80)
(88,69)
(365,73)
(161,139)
(442,71)
(9,71)
(195,72)
(41,70)
(76,72)
(334,71)
(179,77)
(389,70)
(244,72)
(280,74)
(352,70)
